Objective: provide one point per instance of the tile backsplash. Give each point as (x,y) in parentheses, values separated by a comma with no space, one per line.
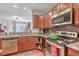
(71,28)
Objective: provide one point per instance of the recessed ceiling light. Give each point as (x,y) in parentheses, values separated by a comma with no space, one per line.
(24,8)
(16,17)
(15,6)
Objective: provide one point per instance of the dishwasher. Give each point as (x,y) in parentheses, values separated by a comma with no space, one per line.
(9,46)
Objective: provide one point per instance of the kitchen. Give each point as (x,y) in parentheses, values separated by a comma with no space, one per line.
(39,29)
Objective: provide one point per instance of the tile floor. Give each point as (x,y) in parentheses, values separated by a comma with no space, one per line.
(30,53)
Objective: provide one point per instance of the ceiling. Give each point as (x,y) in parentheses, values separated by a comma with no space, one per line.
(37,8)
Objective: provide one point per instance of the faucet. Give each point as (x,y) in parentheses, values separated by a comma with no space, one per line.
(6,33)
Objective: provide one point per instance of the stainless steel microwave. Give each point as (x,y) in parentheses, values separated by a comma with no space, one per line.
(63,18)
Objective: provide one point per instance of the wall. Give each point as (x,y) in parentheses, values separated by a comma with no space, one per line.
(35,30)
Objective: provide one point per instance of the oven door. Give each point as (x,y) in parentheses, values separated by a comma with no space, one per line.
(55,49)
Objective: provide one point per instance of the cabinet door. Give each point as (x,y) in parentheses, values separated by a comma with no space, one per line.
(0,45)
(44,21)
(32,42)
(49,19)
(35,21)
(40,21)
(72,52)
(56,9)
(76,13)
(22,44)
(65,6)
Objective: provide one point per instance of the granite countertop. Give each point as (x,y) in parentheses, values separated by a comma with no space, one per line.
(51,43)
(10,36)
(74,46)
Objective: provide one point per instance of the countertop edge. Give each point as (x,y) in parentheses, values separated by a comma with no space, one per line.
(45,36)
(76,48)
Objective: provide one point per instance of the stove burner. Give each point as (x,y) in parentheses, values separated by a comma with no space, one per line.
(66,37)
(62,41)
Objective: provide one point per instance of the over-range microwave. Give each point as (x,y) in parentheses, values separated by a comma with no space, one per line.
(63,18)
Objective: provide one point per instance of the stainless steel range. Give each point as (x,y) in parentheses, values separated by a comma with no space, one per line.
(65,37)
(58,48)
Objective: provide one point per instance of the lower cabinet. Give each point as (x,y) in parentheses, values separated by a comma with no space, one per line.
(31,42)
(22,43)
(26,43)
(40,43)
(72,52)
(0,46)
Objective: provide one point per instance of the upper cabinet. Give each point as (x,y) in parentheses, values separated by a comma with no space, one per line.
(40,21)
(35,21)
(60,7)
(55,9)
(64,6)
(49,19)
(76,13)
(0,44)
(45,21)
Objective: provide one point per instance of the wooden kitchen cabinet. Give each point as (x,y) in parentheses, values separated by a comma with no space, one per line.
(26,43)
(64,6)
(60,7)
(35,21)
(56,9)
(40,43)
(31,42)
(47,20)
(72,52)
(41,21)
(22,43)
(67,5)
(76,13)
(0,46)
(0,43)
